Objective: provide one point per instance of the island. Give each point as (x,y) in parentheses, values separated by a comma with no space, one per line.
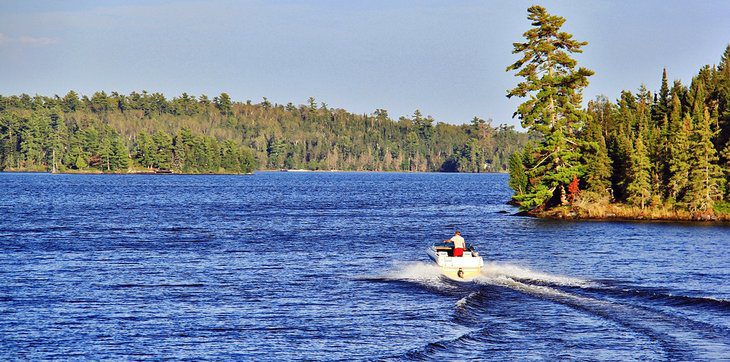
(646,156)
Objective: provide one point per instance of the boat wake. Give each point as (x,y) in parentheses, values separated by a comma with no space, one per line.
(515,272)
(426,275)
(646,313)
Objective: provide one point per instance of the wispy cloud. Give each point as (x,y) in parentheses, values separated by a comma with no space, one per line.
(27,40)
(39,41)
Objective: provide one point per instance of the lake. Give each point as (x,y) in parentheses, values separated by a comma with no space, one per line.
(331,266)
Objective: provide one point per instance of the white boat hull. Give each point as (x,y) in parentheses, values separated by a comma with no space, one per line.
(459,268)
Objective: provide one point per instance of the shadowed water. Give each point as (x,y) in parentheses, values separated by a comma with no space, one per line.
(282,266)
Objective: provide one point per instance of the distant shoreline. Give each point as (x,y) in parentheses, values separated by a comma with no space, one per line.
(378,171)
(99,172)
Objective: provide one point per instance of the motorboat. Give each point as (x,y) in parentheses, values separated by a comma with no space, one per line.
(459,268)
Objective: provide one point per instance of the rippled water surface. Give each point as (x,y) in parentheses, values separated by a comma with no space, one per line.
(324,266)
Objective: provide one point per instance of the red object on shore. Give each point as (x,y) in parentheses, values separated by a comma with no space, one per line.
(573,189)
(458,252)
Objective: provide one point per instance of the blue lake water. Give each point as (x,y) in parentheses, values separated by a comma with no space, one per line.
(327,266)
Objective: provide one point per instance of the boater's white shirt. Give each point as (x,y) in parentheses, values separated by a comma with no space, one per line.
(458,241)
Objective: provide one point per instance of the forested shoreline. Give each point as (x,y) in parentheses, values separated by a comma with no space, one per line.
(188,134)
(650,155)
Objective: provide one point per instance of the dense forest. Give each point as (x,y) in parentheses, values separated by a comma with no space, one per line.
(666,150)
(188,134)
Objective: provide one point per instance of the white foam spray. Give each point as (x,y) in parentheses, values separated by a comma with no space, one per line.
(516,272)
(463,301)
(427,274)
(522,284)
(414,271)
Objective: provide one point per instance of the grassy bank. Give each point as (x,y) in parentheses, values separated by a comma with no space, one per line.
(591,209)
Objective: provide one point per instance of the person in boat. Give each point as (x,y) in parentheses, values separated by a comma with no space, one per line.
(459,243)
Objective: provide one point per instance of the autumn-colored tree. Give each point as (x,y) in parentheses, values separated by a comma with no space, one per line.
(573,189)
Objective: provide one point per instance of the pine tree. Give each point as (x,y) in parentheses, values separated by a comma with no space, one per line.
(78,159)
(639,187)
(517,176)
(621,146)
(662,104)
(106,152)
(724,64)
(726,155)
(58,141)
(679,161)
(553,110)
(145,150)
(723,71)
(162,157)
(90,141)
(662,161)
(698,101)
(120,154)
(595,155)
(229,155)
(675,116)
(223,102)
(705,182)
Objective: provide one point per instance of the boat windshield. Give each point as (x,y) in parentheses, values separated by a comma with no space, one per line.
(440,245)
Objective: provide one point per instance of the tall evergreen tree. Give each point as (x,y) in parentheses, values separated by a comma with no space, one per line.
(679,162)
(77,158)
(223,102)
(71,102)
(639,187)
(662,104)
(595,155)
(145,150)
(58,141)
(705,182)
(723,71)
(621,146)
(163,150)
(553,84)
(620,153)
(33,140)
(698,99)
(517,177)
(120,154)
(106,153)
(726,167)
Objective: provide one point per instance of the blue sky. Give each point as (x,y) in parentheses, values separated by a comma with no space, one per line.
(446,58)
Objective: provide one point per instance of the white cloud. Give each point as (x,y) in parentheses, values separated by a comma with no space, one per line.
(27,40)
(39,41)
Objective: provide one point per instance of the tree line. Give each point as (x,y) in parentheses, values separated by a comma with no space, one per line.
(665,149)
(195,134)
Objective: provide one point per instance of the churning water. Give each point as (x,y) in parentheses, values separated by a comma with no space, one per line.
(327,266)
